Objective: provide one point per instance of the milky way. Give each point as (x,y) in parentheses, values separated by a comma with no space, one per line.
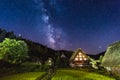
(55,37)
(64,24)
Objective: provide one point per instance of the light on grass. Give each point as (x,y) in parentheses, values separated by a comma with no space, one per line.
(23,76)
(78,75)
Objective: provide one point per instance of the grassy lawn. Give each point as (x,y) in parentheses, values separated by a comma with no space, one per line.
(23,76)
(78,75)
(61,74)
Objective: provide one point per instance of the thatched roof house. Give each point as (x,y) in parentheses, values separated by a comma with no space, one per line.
(112,55)
(79,59)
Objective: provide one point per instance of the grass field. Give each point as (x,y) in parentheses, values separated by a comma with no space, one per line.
(79,75)
(23,76)
(61,74)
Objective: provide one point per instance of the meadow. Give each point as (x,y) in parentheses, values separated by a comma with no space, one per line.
(61,74)
(23,76)
(79,75)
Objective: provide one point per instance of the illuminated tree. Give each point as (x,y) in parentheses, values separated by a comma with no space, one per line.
(13,51)
(95,63)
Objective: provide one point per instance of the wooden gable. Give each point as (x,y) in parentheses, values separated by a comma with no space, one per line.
(79,58)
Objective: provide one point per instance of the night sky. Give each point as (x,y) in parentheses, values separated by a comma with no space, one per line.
(64,24)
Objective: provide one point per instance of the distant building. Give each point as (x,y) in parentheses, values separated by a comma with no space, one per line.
(63,55)
(79,59)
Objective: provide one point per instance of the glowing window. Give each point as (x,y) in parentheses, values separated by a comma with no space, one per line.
(80,53)
(76,59)
(80,58)
(85,58)
(77,56)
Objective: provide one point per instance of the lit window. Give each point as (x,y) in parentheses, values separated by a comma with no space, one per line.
(80,58)
(76,59)
(85,58)
(80,53)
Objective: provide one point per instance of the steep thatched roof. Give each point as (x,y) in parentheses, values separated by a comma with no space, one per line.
(76,52)
(112,55)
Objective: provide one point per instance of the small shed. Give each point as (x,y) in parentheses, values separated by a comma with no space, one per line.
(79,59)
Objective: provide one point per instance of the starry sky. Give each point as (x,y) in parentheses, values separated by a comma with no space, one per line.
(64,24)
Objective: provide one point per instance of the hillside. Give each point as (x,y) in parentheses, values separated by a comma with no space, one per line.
(39,52)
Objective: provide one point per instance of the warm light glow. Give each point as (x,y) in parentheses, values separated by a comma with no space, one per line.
(80,58)
(80,53)
(80,65)
(77,56)
(76,59)
(85,58)
(49,61)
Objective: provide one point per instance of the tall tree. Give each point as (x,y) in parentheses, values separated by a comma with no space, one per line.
(2,34)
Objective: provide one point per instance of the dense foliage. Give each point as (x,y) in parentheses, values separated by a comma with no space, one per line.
(13,51)
(95,63)
(112,56)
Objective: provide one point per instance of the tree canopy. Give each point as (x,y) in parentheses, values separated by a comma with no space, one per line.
(14,51)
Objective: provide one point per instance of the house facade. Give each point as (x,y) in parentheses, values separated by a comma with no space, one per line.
(79,59)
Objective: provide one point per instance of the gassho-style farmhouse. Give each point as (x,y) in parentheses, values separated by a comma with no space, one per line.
(79,59)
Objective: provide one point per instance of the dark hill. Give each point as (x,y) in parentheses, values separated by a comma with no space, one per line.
(42,53)
(39,52)
(97,55)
